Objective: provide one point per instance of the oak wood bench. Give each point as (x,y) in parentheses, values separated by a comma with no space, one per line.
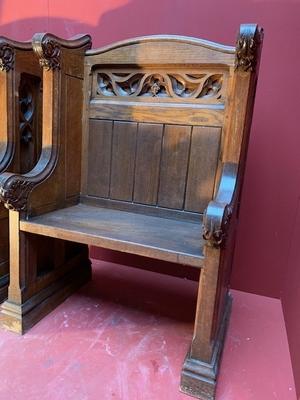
(20,125)
(150,161)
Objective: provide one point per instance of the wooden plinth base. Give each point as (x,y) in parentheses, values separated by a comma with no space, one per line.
(19,318)
(199,378)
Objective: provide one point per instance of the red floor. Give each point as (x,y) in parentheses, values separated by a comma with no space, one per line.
(124,337)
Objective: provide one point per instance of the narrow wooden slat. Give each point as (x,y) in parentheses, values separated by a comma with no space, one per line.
(99,157)
(147,163)
(175,154)
(202,167)
(73,135)
(123,160)
(188,114)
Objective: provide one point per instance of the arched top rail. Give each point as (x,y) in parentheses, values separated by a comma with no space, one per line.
(164,38)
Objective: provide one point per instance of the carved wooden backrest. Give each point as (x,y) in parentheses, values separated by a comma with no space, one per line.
(143,151)
(156,121)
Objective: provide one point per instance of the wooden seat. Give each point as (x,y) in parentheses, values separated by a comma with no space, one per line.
(144,149)
(124,231)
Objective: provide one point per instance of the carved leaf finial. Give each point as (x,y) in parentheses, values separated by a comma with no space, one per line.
(6,57)
(247,47)
(51,55)
(48,51)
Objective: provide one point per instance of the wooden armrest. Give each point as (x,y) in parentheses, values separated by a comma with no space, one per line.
(15,188)
(218,213)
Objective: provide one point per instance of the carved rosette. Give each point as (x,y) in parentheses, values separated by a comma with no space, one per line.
(14,193)
(6,57)
(49,54)
(215,231)
(247,47)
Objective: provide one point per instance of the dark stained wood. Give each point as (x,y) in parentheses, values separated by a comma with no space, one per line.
(142,208)
(202,167)
(43,271)
(20,126)
(123,160)
(99,159)
(120,230)
(30,124)
(174,164)
(162,166)
(149,143)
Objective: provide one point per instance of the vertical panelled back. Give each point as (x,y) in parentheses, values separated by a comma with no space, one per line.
(153,131)
(164,165)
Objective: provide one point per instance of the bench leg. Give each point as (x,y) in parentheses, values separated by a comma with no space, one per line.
(200,368)
(43,273)
(4,262)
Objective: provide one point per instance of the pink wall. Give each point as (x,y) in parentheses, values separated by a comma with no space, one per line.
(266,260)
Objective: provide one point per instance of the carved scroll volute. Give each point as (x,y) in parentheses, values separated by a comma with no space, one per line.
(7,57)
(215,231)
(48,51)
(248,47)
(14,193)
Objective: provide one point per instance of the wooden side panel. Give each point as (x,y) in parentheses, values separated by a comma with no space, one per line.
(99,157)
(202,167)
(123,160)
(174,164)
(73,103)
(148,158)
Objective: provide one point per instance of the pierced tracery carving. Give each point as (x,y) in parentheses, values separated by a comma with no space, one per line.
(30,93)
(163,85)
(6,57)
(27,110)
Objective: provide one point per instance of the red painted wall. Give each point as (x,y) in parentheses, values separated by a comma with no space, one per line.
(266,260)
(291,295)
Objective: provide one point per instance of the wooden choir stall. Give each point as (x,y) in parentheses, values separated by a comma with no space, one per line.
(143,151)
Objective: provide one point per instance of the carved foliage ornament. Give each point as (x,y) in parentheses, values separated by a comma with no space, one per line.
(6,57)
(247,47)
(14,193)
(164,85)
(50,54)
(215,232)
